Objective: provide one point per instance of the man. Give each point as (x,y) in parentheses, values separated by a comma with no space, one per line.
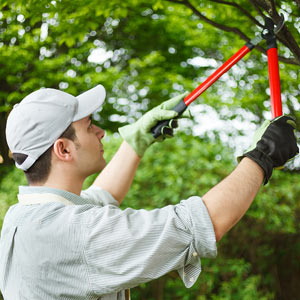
(60,242)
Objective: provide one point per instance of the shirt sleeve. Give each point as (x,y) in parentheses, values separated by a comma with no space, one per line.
(98,196)
(124,248)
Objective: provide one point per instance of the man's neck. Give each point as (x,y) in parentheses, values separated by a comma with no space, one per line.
(74,186)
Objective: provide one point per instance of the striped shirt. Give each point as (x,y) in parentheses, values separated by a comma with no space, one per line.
(92,249)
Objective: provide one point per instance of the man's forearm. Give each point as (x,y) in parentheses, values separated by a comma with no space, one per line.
(228,201)
(118,175)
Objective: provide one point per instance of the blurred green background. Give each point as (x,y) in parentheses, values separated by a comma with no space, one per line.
(145,52)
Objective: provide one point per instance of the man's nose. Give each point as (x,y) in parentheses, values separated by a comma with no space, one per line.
(99,132)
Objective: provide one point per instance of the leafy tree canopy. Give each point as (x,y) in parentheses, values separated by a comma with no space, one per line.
(151,50)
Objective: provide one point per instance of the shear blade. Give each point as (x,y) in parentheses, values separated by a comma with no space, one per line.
(280,24)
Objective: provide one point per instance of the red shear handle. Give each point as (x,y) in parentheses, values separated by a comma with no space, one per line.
(217,74)
(158,129)
(276,106)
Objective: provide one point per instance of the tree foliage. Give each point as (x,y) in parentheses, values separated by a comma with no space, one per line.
(154,50)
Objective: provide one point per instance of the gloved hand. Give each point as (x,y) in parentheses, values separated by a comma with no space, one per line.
(274,143)
(138,135)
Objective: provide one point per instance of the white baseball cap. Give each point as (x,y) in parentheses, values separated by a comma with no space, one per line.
(40,118)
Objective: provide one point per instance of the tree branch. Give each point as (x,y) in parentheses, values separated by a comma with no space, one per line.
(273,8)
(298,3)
(264,4)
(231,29)
(257,8)
(176,1)
(215,24)
(290,61)
(244,11)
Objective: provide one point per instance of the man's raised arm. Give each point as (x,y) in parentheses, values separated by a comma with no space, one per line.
(273,145)
(118,175)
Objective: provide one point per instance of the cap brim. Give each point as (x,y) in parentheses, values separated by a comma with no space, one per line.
(89,102)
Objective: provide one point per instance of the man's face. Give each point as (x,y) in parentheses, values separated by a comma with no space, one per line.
(89,149)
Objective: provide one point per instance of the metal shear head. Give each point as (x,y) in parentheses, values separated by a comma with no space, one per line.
(270,28)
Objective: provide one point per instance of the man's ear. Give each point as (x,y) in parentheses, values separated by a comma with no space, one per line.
(63,149)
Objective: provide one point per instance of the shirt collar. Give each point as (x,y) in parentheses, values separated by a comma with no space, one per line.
(75,199)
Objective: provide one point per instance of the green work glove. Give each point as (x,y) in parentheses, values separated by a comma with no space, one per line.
(274,143)
(138,135)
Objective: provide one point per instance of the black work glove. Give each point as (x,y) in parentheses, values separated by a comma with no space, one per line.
(274,143)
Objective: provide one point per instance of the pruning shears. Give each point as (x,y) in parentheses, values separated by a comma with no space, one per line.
(269,34)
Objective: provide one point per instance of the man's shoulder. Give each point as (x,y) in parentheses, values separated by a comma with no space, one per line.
(48,213)
(98,196)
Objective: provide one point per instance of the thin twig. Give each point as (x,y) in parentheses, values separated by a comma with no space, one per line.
(264,4)
(243,10)
(257,8)
(272,10)
(176,1)
(215,24)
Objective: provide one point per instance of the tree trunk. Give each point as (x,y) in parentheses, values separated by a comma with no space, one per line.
(159,288)
(3,145)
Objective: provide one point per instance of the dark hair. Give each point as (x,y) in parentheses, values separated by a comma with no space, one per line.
(40,170)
